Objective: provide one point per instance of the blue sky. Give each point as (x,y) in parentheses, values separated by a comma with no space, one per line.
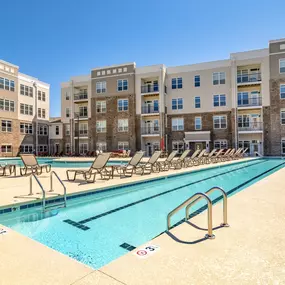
(53,40)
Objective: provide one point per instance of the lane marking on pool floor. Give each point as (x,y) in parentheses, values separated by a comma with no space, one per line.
(73,223)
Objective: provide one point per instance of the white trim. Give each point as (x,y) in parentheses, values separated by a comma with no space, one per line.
(8,63)
(115,65)
(200,132)
(274,53)
(220,124)
(277,41)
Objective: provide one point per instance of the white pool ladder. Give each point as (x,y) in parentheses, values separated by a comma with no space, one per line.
(196,198)
(51,206)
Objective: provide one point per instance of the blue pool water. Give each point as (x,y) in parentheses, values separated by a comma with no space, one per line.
(57,163)
(133,214)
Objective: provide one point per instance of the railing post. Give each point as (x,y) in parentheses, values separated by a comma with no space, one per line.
(31,186)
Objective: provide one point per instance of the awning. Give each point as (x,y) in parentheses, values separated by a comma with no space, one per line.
(198,136)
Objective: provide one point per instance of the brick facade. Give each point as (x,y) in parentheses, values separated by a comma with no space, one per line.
(207,125)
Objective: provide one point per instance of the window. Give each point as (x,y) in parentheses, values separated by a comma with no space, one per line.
(7,84)
(43,130)
(57,130)
(282,91)
(219,78)
(26,90)
(123,125)
(67,97)
(197,81)
(283,146)
(243,121)
(83,148)
(26,128)
(123,145)
(42,148)
(7,105)
(178,146)
(122,84)
(125,69)
(6,126)
(243,98)
(197,102)
(101,106)
(177,124)
(67,112)
(177,104)
(101,126)
(101,146)
(244,145)
(6,148)
(282,117)
(123,105)
(219,100)
(41,95)
(282,65)
(98,73)
(120,70)
(103,72)
(198,123)
(41,113)
(67,148)
(83,111)
(222,144)
(67,130)
(176,83)
(101,87)
(26,148)
(220,122)
(26,109)
(83,129)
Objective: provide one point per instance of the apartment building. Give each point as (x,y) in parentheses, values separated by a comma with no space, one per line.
(275,131)
(236,102)
(24,106)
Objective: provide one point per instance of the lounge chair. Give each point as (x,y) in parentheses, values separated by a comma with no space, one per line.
(210,155)
(98,166)
(230,154)
(151,165)
(224,155)
(243,152)
(189,161)
(215,158)
(166,164)
(128,170)
(180,162)
(200,158)
(31,164)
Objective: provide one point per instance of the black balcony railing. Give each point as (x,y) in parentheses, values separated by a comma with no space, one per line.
(81,133)
(248,102)
(150,130)
(249,77)
(150,109)
(150,88)
(248,126)
(80,96)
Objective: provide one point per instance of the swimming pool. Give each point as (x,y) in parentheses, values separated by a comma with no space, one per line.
(56,162)
(95,229)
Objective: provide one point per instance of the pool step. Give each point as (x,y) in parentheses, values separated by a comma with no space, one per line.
(54,206)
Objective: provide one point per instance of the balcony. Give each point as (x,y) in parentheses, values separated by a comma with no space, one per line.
(150,130)
(250,127)
(149,88)
(249,78)
(81,133)
(150,109)
(81,116)
(82,96)
(250,102)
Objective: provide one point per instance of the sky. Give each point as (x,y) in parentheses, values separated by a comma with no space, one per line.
(54,40)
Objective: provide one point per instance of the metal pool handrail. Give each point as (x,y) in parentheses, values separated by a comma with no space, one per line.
(41,186)
(225,205)
(60,181)
(191,202)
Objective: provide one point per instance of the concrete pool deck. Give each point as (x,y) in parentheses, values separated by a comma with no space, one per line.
(250,251)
